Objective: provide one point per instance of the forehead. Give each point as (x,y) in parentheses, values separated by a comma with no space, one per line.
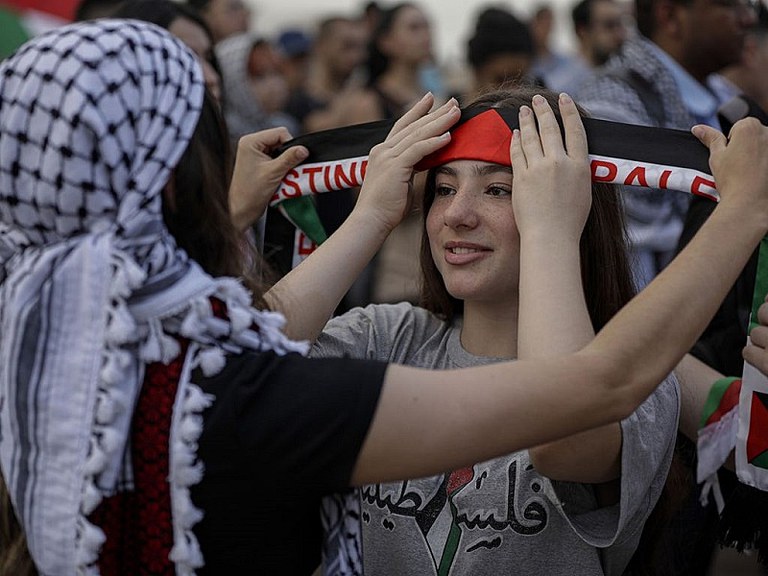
(605,8)
(410,16)
(472,168)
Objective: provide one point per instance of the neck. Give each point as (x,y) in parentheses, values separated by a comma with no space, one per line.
(587,55)
(490,329)
(699,70)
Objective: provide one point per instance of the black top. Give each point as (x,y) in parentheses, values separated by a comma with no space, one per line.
(283,432)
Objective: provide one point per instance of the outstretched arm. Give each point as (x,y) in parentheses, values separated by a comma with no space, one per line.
(326,275)
(511,406)
(552,193)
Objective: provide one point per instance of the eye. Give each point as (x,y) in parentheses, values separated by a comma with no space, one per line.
(498,191)
(444,190)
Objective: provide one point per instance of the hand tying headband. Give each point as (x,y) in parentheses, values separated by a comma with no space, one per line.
(619,154)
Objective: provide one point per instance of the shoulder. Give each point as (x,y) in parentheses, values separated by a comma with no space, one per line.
(614,86)
(608,95)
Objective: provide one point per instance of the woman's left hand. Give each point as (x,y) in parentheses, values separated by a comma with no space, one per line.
(551,185)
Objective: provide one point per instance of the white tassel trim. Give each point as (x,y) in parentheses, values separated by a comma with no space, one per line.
(245,328)
(194,322)
(212,360)
(186,470)
(91,539)
(110,401)
(159,346)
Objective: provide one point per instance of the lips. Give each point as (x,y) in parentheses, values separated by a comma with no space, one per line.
(459,253)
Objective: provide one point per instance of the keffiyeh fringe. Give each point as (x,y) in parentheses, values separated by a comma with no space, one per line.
(212,337)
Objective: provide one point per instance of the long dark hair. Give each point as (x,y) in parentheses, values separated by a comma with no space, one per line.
(378,62)
(199,216)
(607,281)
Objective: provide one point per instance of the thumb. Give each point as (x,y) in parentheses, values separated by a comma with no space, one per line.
(711,138)
(291,158)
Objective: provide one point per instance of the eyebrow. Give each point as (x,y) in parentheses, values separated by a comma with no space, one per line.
(484,170)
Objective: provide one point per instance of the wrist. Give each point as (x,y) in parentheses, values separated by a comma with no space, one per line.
(549,237)
(371,221)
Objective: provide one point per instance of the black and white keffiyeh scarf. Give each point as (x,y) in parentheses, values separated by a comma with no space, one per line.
(93,119)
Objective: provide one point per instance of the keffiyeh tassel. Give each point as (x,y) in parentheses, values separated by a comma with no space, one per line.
(91,539)
(185,469)
(111,420)
(158,346)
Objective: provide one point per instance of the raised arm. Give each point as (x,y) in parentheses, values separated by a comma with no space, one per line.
(511,406)
(326,275)
(552,193)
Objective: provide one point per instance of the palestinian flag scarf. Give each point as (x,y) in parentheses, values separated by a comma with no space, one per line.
(619,154)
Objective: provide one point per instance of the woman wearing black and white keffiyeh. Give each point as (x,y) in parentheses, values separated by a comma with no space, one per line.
(153,421)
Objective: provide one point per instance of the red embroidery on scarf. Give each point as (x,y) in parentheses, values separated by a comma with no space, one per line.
(138,523)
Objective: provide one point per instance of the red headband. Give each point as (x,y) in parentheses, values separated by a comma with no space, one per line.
(485,137)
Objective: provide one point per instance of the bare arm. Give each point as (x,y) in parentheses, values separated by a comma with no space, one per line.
(511,406)
(327,274)
(696,379)
(555,321)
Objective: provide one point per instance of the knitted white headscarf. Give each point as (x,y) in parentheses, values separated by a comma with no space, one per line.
(93,118)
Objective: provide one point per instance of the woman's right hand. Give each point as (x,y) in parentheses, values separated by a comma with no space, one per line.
(739,165)
(386,191)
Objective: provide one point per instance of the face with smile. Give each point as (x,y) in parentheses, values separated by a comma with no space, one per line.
(472,233)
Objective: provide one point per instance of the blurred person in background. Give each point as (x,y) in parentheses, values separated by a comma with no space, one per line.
(322,101)
(400,46)
(294,46)
(600,29)
(750,75)
(225,18)
(255,89)
(499,52)
(661,77)
(547,61)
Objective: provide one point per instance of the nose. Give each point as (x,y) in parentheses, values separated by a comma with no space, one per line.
(461,211)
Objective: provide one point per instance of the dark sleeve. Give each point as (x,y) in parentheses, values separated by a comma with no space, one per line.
(721,343)
(289,420)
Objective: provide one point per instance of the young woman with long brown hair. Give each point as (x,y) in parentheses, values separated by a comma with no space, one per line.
(501,283)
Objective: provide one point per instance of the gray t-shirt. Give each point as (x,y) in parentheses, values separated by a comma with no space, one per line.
(500,516)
